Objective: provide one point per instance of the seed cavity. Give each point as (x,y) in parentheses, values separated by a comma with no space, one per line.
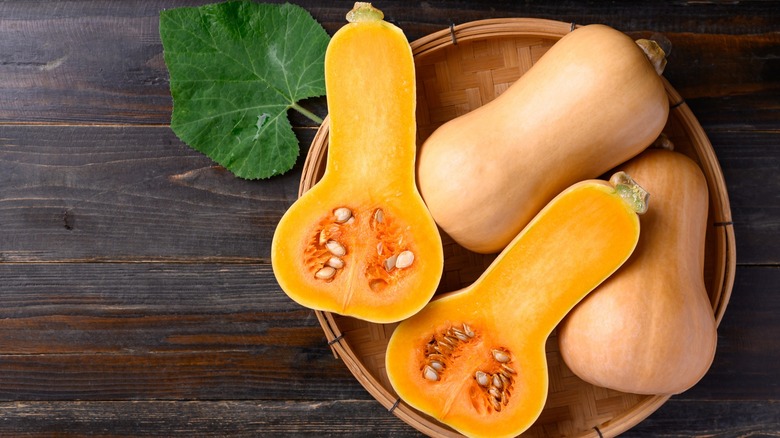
(336,248)
(404,259)
(496,384)
(342,214)
(444,347)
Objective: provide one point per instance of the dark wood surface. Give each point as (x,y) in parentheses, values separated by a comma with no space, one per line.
(136,294)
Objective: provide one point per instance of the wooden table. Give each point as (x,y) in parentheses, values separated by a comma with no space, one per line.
(136,293)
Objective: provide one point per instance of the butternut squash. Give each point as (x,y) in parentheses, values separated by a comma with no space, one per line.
(591,102)
(475,359)
(361,242)
(650,328)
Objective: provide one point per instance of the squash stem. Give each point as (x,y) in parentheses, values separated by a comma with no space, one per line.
(655,54)
(310,115)
(631,192)
(363,11)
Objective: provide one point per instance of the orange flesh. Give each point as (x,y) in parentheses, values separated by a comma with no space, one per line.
(376,111)
(369,76)
(576,242)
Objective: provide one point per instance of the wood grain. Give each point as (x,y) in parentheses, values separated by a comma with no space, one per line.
(99,193)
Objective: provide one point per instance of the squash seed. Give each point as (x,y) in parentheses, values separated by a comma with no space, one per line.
(500,356)
(336,248)
(467,330)
(404,260)
(436,365)
(335,262)
(390,263)
(342,214)
(430,374)
(379,215)
(497,381)
(325,273)
(482,378)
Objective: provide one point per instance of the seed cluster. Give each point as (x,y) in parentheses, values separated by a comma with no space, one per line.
(326,256)
(497,385)
(439,349)
(494,382)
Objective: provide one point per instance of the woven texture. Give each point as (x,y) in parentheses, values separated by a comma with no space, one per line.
(458,70)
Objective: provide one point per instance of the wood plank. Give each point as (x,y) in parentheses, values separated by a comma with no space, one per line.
(750,161)
(199,331)
(748,351)
(713,419)
(139,331)
(329,418)
(92,62)
(202,419)
(130,193)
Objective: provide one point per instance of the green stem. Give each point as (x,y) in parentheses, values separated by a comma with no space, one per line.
(631,192)
(313,117)
(363,12)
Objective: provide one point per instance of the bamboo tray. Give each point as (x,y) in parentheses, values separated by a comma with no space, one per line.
(459,69)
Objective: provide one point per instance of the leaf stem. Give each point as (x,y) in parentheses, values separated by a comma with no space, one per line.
(311,116)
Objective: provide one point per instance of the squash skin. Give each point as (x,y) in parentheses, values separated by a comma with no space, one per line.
(572,245)
(369,76)
(650,328)
(590,103)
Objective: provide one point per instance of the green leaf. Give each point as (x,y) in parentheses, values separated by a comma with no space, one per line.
(235,69)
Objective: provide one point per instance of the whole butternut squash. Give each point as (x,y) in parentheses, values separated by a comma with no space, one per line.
(475,359)
(650,327)
(591,102)
(361,242)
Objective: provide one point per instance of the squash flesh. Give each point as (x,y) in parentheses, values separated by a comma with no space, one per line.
(385,133)
(369,74)
(577,241)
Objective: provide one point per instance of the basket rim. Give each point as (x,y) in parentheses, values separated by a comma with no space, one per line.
(544,28)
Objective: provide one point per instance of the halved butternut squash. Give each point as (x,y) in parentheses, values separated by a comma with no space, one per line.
(361,242)
(475,359)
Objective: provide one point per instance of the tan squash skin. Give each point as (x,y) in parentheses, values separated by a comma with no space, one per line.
(572,245)
(369,76)
(590,103)
(650,329)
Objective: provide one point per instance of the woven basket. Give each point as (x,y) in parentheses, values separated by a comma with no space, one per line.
(459,69)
